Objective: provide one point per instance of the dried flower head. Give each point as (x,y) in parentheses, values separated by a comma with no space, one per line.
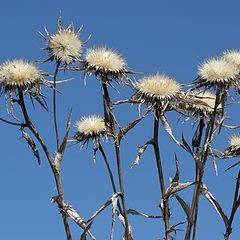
(105,62)
(217,71)
(234,147)
(232,56)
(201,103)
(22,75)
(157,90)
(91,127)
(234,141)
(65,45)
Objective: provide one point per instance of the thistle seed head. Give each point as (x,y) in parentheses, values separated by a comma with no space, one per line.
(234,141)
(65,45)
(217,71)
(19,74)
(157,90)
(234,147)
(105,62)
(91,127)
(233,57)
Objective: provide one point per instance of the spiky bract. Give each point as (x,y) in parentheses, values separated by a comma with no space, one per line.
(234,147)
(65,45)
(105,62)
(157,90)
(201,103)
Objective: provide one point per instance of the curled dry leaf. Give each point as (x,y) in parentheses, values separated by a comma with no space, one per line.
(167,127)
(73,214)
(32,145)
(176,187)
(61,150)
(214,203)
(134,212)
(122,220)
(184,206)
(141,150)
(114,200)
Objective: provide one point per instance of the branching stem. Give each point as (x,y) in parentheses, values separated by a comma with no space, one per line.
(55,172)
(109,118)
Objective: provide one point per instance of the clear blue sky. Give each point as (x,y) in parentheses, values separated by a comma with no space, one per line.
(172,37)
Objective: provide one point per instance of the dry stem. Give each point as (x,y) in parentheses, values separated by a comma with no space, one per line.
(109,118)
(55,172)
(164,201)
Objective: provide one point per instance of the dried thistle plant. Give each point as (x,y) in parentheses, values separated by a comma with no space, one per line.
(159,93)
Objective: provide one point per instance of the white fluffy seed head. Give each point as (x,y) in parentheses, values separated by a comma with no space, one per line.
(159,86)
(19,74)
(105,59)
(232,56)
(234,141)
(65,46)
(91,126)
(217,70)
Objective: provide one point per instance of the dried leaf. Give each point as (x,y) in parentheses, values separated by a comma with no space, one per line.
(106,204)
(134,212)
(131,125)
(41,100)
(114,206)
(141,150)
(176,177)
(167,127)
(184,205)
(59,154)
(73,214)
(173,228)
(122,220)
(177,187)
(232,166)
(214,202)
(64,141)
(32,145)
(186,146)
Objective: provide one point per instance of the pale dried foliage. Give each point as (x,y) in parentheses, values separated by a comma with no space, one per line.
(161,94)
(205,103)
